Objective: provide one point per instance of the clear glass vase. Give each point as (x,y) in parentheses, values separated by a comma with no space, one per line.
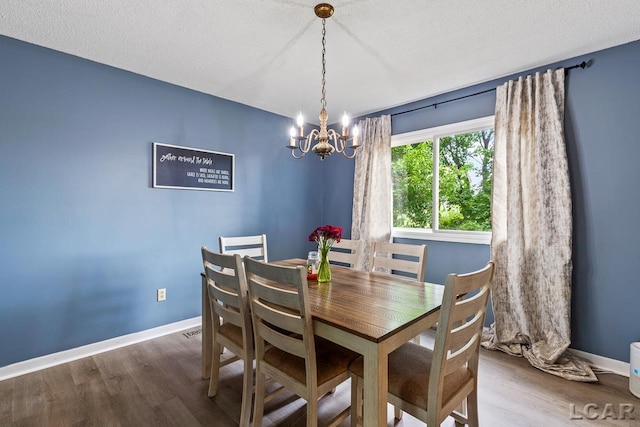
(324,269)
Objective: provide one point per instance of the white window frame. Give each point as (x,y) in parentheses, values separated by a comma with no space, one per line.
(433,134)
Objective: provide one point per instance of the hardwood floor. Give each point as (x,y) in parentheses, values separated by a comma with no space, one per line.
(158,383)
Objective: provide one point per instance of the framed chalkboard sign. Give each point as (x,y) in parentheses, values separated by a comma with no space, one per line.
(192,168)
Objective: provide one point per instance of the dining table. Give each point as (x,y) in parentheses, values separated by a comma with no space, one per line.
(370,313)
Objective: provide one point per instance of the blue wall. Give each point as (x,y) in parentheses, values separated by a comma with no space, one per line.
(84,239)
(602,126)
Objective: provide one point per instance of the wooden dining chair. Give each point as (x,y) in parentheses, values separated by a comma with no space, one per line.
(384,257)
(432,384)
(399,258)
(254,246)
(345,252)
(228,299)
(308,366)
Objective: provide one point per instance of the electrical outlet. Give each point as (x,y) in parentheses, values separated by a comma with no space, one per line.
(162,294)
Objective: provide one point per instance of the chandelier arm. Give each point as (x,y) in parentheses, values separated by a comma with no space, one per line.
(304,145)
(293,153)
(313,135)
(334,137)
(342,146)
(354,152)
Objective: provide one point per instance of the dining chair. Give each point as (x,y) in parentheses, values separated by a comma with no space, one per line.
(413,259)
(228,299)
(308,366)
(345,252)
(254,246)
(384,256)
(433,384)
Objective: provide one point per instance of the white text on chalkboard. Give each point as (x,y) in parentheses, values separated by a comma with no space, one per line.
(195,160)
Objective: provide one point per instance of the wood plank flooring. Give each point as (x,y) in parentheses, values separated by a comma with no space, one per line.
(158,383)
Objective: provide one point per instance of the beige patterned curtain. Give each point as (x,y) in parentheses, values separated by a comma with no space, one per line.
(532,226)
(371,214)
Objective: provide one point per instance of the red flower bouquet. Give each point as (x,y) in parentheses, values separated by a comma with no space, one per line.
(325,236)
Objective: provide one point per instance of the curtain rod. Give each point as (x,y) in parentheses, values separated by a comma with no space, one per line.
(583,65)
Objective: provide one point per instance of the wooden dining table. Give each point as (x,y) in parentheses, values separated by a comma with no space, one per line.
(370,313)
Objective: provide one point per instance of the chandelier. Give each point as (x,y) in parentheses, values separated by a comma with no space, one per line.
(326,141)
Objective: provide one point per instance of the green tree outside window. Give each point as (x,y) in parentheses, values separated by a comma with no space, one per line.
(465,164)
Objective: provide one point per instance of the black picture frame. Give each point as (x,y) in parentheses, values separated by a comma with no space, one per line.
(187,168)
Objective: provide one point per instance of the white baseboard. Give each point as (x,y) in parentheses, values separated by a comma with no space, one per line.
(54,359)
(604,363)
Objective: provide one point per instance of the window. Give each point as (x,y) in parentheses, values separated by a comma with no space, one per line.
(441,181)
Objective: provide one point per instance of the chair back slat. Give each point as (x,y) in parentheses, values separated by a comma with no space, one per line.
(223,297)
(274,296)
(458,359)
(210,257)
(470,282)
(229,316)
(396,264)
(225,277)
(384,256)
(467,307)
(345,252)
(464,333)
(253,246)
(221,287)
(278,317)
(256,253)
(290,344)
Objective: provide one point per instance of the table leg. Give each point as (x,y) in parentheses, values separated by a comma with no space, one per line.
(206,331)
(375,387)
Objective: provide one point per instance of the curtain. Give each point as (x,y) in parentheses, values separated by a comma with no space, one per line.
(371,213)
(532,227)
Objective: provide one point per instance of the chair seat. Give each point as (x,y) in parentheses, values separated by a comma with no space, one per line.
(233,332)
(332,360)
(409,369)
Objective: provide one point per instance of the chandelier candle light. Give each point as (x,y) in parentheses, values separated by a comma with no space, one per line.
(327,141)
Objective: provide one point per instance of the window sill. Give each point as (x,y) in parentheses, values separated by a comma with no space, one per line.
(473,237)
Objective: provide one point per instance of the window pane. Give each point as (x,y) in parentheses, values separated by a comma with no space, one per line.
(466,164)
(412,170)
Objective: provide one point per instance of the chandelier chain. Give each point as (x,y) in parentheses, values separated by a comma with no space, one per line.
(323,100)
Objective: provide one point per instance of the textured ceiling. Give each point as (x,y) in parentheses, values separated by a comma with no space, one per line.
(266,53)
